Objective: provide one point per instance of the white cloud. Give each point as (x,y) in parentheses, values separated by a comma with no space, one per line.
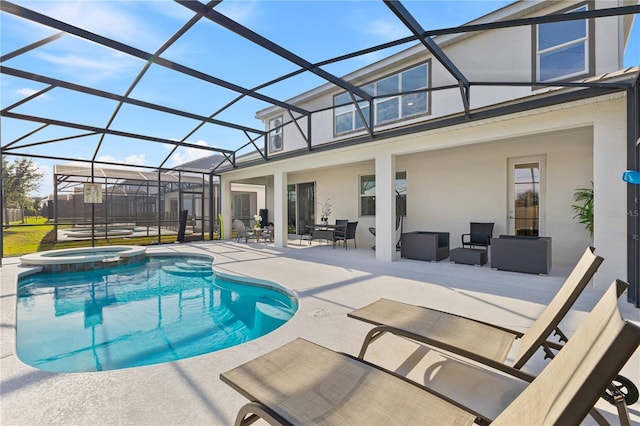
(184,155)
(386,30)
(243,12)
(137,159)
(27,91)
(134,159)
(46,185)
(92,68)
(85,62)
(112,19)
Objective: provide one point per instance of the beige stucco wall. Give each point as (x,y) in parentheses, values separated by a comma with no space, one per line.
(459,174)
(449,188)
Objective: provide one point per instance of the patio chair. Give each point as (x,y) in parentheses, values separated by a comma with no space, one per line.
(304,383)
(479,236)
(242,232)
(304,232)
(483,342)
(346,234)
(267,233)
(341,227)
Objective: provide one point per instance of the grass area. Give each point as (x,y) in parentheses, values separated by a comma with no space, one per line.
(19,240)
(37,235)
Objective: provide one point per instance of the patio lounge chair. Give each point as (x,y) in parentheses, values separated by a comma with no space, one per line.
(483,342)
(304,383)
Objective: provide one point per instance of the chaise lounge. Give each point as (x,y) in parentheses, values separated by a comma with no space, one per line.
(483,342)
(304,383)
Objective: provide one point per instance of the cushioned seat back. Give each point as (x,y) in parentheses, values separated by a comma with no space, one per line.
(481,233)
(351,230)
(340,232)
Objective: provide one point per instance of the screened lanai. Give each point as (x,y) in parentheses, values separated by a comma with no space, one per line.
(144,115)
(104,202)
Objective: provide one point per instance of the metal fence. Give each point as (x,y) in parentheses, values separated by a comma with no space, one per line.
(12,215)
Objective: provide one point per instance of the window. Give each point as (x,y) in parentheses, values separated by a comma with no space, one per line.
(386,108)
(563,49)
(275,134)
(347,117)
(368,194)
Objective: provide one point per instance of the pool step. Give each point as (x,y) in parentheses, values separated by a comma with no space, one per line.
(188,268)
(200,263)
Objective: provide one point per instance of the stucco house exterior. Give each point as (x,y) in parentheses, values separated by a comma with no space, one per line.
(475,129)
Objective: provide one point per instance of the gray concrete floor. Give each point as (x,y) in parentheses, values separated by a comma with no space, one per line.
(329,283)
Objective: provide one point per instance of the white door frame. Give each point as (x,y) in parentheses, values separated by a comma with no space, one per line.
(542,164)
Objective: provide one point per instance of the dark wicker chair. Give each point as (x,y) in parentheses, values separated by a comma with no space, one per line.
(480,235)
(349,233)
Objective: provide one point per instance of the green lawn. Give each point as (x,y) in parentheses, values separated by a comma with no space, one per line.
(37,235)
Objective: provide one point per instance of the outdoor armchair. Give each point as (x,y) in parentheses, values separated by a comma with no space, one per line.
(479,236)
(304,383)
(483,342)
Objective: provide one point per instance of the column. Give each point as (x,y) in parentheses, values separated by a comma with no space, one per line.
(225,206)
(280,229)
(385,207)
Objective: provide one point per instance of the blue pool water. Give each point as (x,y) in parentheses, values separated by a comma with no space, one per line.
(159,310)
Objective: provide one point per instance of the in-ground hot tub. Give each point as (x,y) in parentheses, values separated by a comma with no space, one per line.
(85,258)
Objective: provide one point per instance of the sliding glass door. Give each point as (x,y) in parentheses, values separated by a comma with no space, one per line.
(301,202)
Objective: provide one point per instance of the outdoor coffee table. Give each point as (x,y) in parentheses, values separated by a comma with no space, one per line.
(468,256)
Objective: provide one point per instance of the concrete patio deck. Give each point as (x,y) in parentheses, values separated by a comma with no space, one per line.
(330,283)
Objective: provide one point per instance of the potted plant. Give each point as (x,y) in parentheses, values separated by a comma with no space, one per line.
(257,220)
(325,211)
(584,209)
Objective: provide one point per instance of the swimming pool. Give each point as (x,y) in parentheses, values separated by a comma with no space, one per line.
(162,309)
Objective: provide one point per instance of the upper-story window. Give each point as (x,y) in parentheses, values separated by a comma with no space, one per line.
(563,48)
(386,108)
(275,134)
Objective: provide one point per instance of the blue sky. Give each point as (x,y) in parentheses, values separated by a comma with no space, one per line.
(314,30)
